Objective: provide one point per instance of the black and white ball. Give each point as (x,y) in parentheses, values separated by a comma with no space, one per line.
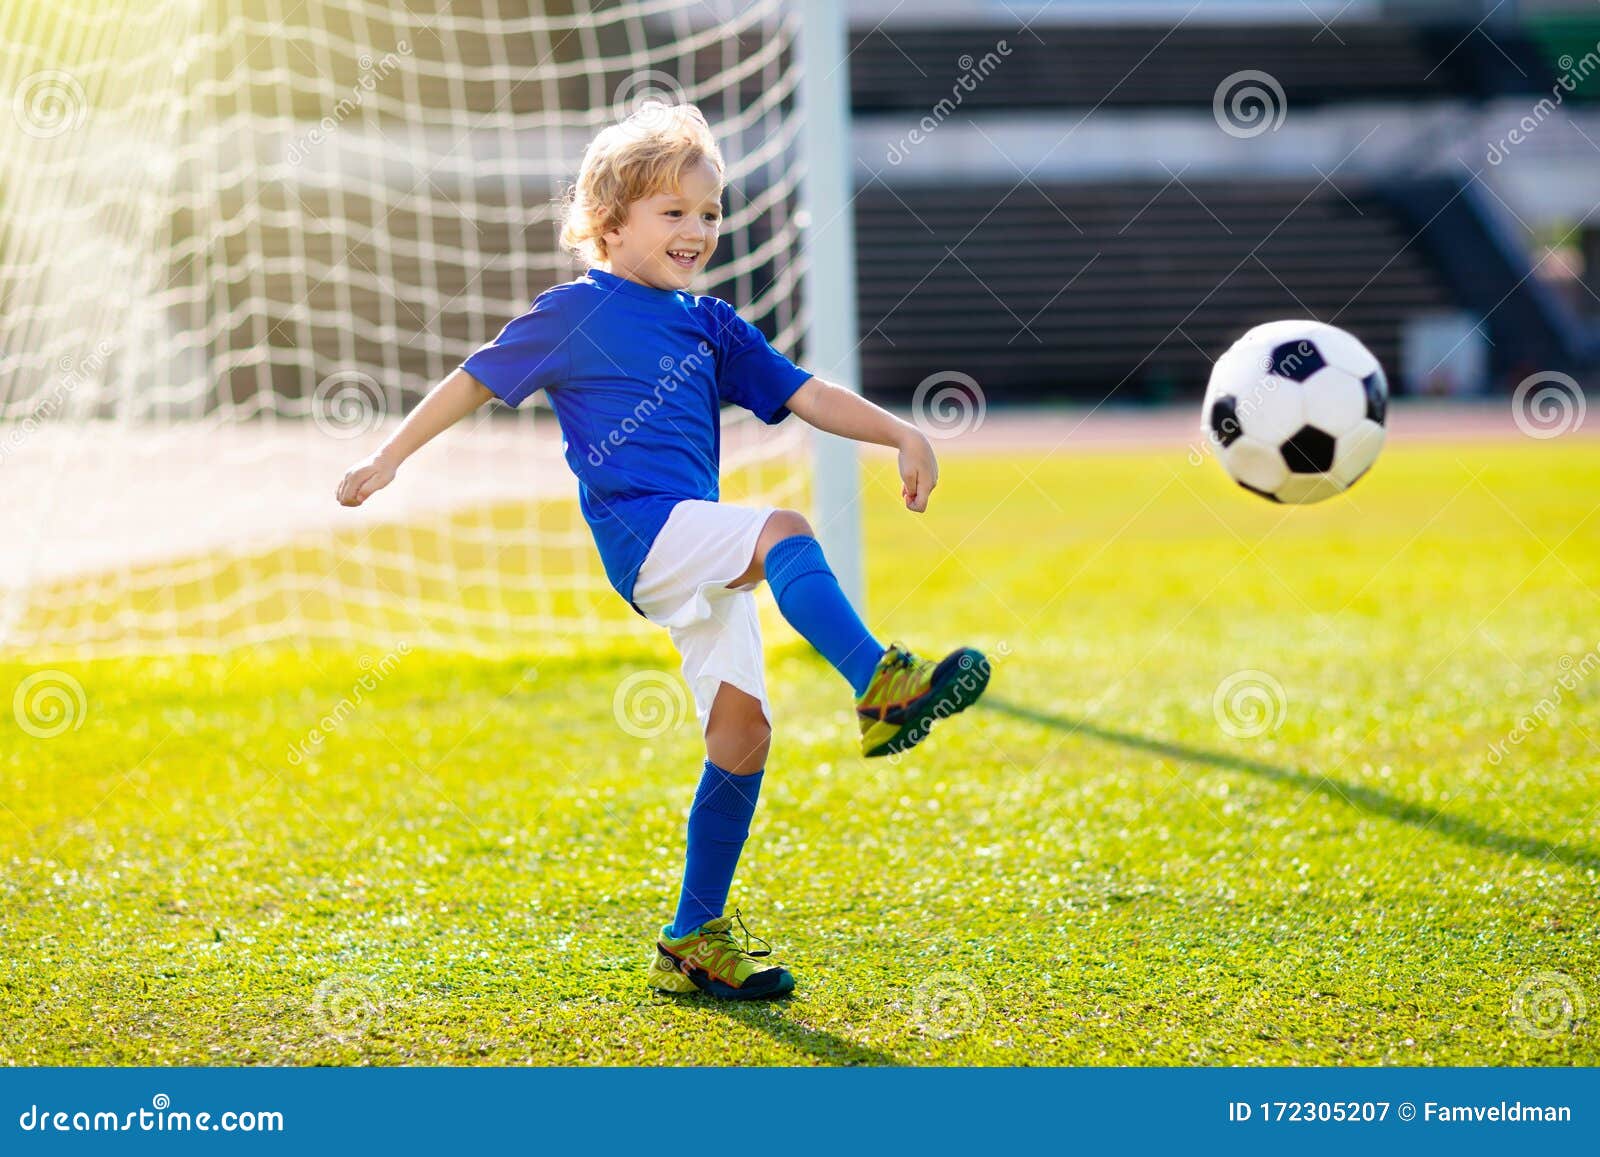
(1295,410)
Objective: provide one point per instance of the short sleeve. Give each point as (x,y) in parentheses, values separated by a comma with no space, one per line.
(529,355)
(750,373)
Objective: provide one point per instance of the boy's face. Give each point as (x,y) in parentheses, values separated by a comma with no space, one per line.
(669,237)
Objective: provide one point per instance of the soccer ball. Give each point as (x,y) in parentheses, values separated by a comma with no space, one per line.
(1295,410)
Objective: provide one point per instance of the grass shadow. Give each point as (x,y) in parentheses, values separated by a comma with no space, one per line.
(771,1017)
(1361,798)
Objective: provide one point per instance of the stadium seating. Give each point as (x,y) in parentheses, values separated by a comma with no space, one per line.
(1076,289)
(1123,65)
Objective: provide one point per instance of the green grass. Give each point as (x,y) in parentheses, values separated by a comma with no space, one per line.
(1088,870)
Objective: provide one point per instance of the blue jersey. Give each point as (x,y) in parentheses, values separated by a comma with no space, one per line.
(636,377)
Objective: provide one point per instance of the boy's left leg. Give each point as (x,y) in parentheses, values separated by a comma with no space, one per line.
(899,696)
(789,557)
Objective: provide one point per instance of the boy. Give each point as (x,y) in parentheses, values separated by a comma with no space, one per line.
(635,369)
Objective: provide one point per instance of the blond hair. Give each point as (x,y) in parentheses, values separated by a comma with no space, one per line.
(636,158)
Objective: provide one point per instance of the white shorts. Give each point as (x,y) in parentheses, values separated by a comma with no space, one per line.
(683,586)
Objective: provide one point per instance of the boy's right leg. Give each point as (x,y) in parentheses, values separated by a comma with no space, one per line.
(697,951)
(737,739)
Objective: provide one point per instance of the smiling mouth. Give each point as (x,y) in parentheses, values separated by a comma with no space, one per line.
(685,258)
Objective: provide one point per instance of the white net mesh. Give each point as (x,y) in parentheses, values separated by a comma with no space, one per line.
(239,239)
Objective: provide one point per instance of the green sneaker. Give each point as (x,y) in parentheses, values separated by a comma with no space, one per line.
(708,960)
(907,695)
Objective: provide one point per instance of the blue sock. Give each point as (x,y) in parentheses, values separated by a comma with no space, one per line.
(810,598)
(719,821)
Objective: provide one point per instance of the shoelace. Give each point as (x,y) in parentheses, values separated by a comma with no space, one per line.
(749,936)
(733,946)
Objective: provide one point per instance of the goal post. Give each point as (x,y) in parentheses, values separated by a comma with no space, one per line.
(240,239)
(832,344)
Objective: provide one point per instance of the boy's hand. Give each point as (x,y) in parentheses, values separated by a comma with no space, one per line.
(365,479)
(919,471)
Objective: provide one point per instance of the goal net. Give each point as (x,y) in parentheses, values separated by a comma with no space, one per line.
(240,239)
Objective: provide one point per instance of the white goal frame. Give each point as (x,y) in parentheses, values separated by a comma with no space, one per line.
(832,346)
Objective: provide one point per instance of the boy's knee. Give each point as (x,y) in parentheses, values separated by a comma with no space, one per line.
(738,735)
(740,748)
(754,737)
(786,524)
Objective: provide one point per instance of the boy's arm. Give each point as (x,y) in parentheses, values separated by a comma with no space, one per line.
(446,404)
(849,415)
